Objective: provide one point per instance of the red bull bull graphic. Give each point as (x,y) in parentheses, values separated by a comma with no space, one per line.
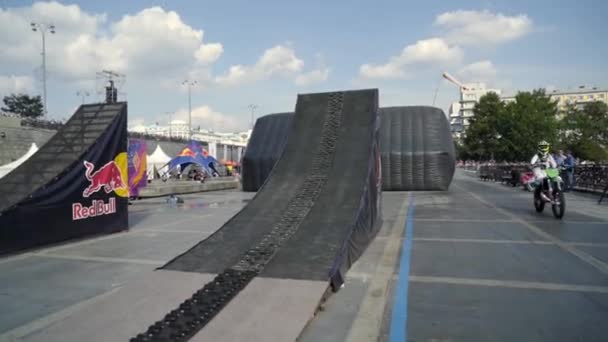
(108,178)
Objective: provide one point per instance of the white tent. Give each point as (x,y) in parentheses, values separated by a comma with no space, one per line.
(157,159)
(6,168)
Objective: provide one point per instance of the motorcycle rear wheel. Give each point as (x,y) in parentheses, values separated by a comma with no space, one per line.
(539,204)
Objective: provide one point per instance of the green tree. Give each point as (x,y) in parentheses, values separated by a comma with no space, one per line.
(532,117)
(511,132)
(481,138)
(24,105)
(585,131)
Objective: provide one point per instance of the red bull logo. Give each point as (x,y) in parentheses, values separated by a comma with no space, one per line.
(186,152)
(97,208)
(107,177)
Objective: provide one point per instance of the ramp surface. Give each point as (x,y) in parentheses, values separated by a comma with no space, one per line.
(44,200)
(322,198)
(61,152)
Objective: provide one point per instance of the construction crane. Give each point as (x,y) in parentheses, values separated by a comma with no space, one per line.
(455,81)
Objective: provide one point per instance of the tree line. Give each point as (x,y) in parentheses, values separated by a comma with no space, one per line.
(510,131)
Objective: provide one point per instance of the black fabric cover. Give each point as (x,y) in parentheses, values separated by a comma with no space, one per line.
(43,199)
(264,148)
(417,149)
(341,218)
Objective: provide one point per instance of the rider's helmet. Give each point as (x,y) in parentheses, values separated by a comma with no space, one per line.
(543,149)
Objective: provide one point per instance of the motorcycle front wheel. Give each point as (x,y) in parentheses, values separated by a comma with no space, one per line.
(539,204)
(559,209)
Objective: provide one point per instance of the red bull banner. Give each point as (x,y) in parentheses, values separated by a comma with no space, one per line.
(88,196)
(137,154)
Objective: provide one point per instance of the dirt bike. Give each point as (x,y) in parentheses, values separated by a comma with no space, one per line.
(550,191)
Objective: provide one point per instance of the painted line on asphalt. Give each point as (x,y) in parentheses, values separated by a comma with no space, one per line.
(462,220)
(367,324)
(589,259)
(185,231)
(508,284)
(398,325)
(100,259)
(523,242)
(562,222)
(18,333)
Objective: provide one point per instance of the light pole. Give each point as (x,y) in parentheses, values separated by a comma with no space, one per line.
(43,28)
(189,83)
(252,107)
(82,94)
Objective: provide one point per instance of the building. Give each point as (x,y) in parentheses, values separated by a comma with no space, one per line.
(578,97)
(179,129)
(461,112)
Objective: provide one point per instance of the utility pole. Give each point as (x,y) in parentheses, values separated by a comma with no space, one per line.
(43,28)
(189,83)
(82,94)
(252,107)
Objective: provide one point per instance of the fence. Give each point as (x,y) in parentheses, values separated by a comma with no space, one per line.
(586,177)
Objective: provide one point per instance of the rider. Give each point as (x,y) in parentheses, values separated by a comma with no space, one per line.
(541,161)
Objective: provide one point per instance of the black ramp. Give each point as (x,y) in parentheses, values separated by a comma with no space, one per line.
(43,200)
(224,248)
(417,149)
(345,217)
(342,216)
(264,149)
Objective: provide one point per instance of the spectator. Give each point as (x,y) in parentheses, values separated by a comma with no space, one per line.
(559,158)
(569,163)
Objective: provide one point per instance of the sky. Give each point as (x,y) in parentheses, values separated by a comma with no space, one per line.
(267,52)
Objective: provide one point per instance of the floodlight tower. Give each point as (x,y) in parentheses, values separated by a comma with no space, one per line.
(43,28)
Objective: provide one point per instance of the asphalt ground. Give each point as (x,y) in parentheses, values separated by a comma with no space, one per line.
(40,287)
(475,263)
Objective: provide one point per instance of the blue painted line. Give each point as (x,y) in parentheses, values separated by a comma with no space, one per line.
(398,329)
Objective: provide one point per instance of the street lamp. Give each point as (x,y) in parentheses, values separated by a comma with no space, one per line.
(82,94)
(252,107)
(43,28)
(189,83)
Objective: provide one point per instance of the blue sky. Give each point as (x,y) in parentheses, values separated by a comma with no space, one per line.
(269,51)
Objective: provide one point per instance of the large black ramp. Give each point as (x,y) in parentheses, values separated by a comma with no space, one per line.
(417,149)
(344,216)
(312,218)
(75,185)
(264,149)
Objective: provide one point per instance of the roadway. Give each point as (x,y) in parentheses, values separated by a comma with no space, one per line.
(475,263)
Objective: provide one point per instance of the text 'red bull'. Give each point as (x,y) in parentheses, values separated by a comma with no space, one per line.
(107,177)
(97,208)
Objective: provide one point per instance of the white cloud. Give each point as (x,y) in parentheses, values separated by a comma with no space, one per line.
(151,43)
(209,53)
(312,77)
(433,51)
(482,27)
(16,84)
(278,60)
(481,71)
(207,118)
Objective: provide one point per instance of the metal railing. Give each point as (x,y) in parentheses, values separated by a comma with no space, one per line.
(591,177)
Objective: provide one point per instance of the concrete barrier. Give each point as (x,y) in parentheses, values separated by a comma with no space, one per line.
(158,189)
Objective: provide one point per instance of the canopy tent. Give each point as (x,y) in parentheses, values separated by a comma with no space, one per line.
(157,161)
(6,168)
(194,154)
